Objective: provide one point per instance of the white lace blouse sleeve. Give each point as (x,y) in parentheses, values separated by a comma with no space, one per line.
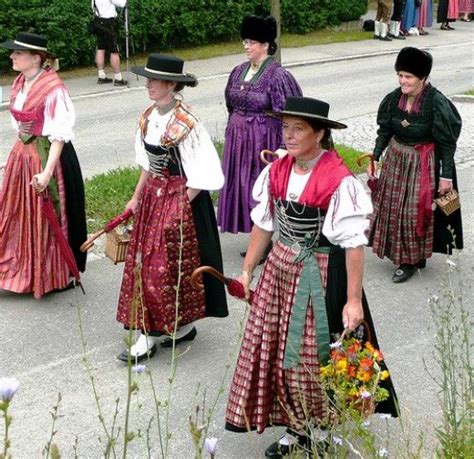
(141,157)
(260,213)
(59,116)
(346,221)
(201,162)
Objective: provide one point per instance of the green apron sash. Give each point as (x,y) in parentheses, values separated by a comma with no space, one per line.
(309,287)
(42,146)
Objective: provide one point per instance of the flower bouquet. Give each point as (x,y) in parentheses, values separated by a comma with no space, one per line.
(352,376)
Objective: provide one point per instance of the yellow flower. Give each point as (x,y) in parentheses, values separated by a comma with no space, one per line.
(327,371)
(341,367)
(384,375)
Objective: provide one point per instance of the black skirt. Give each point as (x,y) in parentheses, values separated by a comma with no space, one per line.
(210,252)
(75,203)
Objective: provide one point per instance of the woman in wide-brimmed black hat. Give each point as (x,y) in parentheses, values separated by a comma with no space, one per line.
(174,229)
(418,130)
(41,162)
(311,284)
(258,84)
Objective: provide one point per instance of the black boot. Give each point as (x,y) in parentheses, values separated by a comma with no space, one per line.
(403,273)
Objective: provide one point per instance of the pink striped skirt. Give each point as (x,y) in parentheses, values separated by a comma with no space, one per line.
(30,257)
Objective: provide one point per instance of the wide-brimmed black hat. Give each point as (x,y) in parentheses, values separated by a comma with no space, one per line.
(310,109)
(259,28)
(168,68)
(415,61)
(27,41)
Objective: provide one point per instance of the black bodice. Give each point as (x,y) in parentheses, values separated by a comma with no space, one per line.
(165,161)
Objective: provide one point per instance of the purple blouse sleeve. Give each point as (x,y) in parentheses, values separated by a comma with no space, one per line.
(283,84)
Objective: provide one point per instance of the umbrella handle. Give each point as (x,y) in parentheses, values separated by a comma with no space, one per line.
(372,161)
(90,242)
(265,152)
(205,269)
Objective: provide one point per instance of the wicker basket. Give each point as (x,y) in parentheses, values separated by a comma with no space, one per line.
(116,246)
(449,202)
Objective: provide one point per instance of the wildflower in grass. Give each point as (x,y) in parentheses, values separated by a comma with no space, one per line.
(211,446)
(8,388)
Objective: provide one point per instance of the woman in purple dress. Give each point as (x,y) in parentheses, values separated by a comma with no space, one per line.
(258,84)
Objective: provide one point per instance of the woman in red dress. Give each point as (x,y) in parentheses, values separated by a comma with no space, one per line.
(42,161)
(175,228)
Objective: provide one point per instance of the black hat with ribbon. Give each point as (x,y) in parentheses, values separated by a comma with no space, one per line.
(27,41)
(263,30)
(415,61)
(168,68)
(309,109)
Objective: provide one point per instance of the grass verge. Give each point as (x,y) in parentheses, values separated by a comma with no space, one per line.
(470,92)
(108,193)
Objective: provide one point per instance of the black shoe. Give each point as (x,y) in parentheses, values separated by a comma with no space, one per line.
(123,356)
(120,82)
(104,80)
(396,37)
(376,37)
(386,38)
(168,342)
(277,450)
(403,273)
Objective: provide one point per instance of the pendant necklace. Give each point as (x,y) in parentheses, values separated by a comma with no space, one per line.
(164,109)
(306,165)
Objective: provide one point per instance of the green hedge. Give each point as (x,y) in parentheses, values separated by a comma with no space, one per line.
(161,24)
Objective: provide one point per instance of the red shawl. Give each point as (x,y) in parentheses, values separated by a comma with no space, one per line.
(324,180)
(34,107)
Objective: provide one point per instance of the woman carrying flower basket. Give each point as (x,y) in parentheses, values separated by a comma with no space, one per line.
(311,284)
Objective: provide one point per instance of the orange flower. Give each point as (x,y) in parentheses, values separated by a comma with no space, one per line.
(366,363)
(369,347)
(363,375)
(352,371)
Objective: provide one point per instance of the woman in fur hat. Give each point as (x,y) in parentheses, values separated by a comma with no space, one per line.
(41,163)
(418,128)
(310,287)
(258,84)
(175,228)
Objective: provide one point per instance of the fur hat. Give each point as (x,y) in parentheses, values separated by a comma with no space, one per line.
(258,28)
(415,61)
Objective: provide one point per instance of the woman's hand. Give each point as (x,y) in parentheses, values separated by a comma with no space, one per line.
(246,279)
(40,181)
(445,186)
(352,314)
(132,204)
(372,169)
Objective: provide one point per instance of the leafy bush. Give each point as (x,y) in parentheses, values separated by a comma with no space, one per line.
(160,24)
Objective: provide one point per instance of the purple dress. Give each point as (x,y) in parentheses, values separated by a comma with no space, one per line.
(248,132)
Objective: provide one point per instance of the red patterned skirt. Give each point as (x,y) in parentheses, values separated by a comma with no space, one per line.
(394,221)
(30,257)
(262,393)
(163,244)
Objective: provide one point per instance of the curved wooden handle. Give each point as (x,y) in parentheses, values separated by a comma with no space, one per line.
(205,269)
(372,161)
(265,152)
(90,242)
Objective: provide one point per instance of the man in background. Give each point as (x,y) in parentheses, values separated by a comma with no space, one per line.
(107,39)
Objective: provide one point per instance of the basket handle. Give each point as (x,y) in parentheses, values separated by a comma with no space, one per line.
(368,333)
(265,152)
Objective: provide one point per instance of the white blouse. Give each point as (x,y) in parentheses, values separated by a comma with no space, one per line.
(200,160)
(346,219)
(58,123)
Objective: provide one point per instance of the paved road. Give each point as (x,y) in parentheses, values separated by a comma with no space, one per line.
(40,342)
